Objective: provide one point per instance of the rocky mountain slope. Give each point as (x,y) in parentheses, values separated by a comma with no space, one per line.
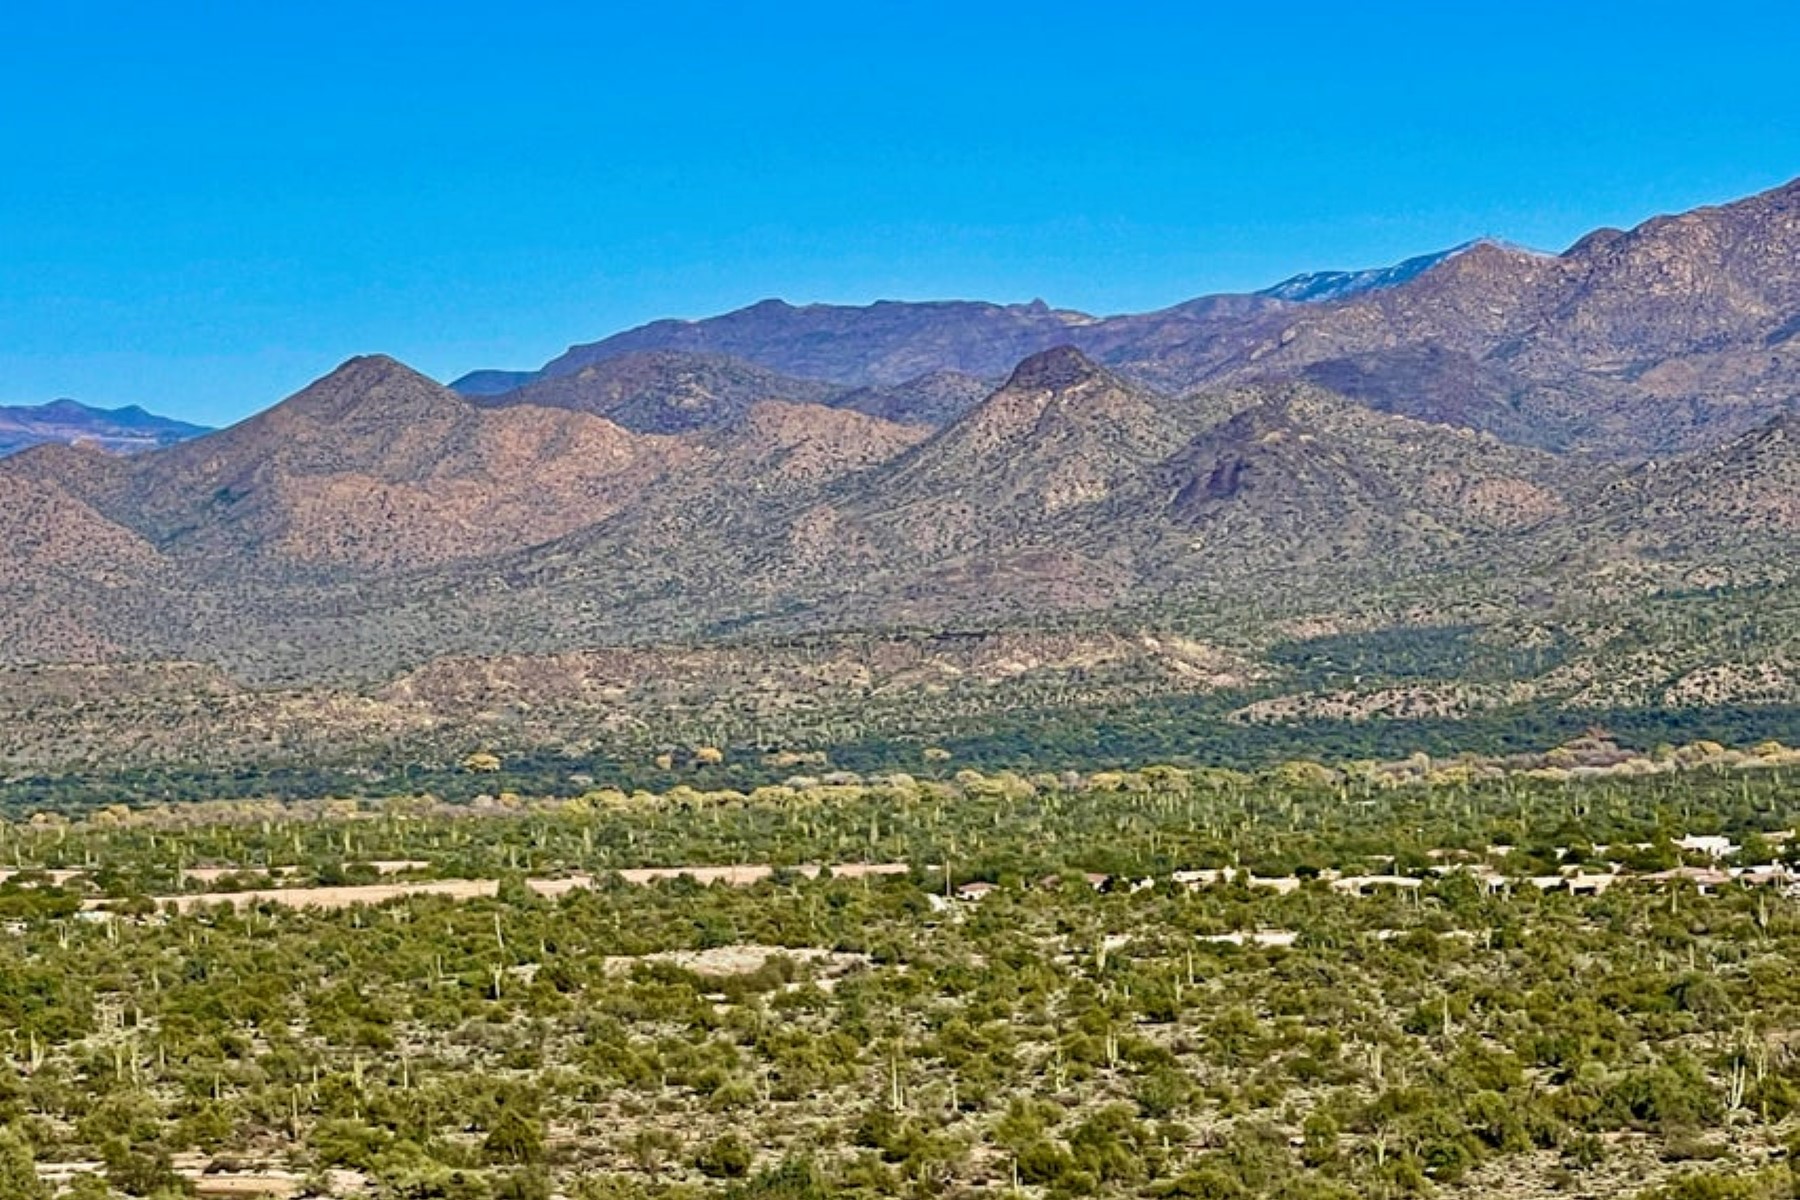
(664,391)
(1672,336)
(1669,337)
(376,520)
(883,344)
(934,398)
(1737,505)
(1573,454)
(373,468)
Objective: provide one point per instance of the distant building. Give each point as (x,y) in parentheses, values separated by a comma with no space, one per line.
(1712,847)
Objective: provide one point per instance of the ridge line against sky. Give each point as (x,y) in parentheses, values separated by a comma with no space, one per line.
(210,206)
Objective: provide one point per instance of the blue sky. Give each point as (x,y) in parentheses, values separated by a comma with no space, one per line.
(203,206)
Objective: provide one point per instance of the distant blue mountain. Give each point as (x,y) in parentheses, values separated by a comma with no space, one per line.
(117,430)
(493,383)
(1318,286)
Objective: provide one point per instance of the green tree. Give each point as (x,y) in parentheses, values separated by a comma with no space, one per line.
(18,1170)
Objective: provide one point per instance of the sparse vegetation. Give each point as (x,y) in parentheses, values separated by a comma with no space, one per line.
(1094,1024)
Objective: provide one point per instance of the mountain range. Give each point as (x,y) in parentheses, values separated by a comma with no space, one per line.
(1593,451)
(116,430)
(1663,338)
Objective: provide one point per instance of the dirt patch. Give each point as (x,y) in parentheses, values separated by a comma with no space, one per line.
(329,897)
(741,876)
(348,895)
(740,960)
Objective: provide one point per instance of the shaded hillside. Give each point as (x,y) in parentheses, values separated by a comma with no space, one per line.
(73,585)
(776,446)
(477,384)
(1303,486)
(1449,387)
(1737,506)
(666,391)
(885,343)
(671,391)
(935,398)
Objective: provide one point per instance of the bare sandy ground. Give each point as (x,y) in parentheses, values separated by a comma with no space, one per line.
(381,866)
(224,1185)
(329,897)
(57,877)
(471,889)
(737,960)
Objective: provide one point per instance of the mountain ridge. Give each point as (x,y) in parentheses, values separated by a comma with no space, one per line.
(124,430)
(1630,343)
(1310,287)
(1594,452)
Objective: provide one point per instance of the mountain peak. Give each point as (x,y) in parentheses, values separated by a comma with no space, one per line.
(1315,287)
(1061,433)
(367,369)
(370,382)
(1056,369)
(1491,248)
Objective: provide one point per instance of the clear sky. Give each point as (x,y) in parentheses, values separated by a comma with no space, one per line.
(203,206)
